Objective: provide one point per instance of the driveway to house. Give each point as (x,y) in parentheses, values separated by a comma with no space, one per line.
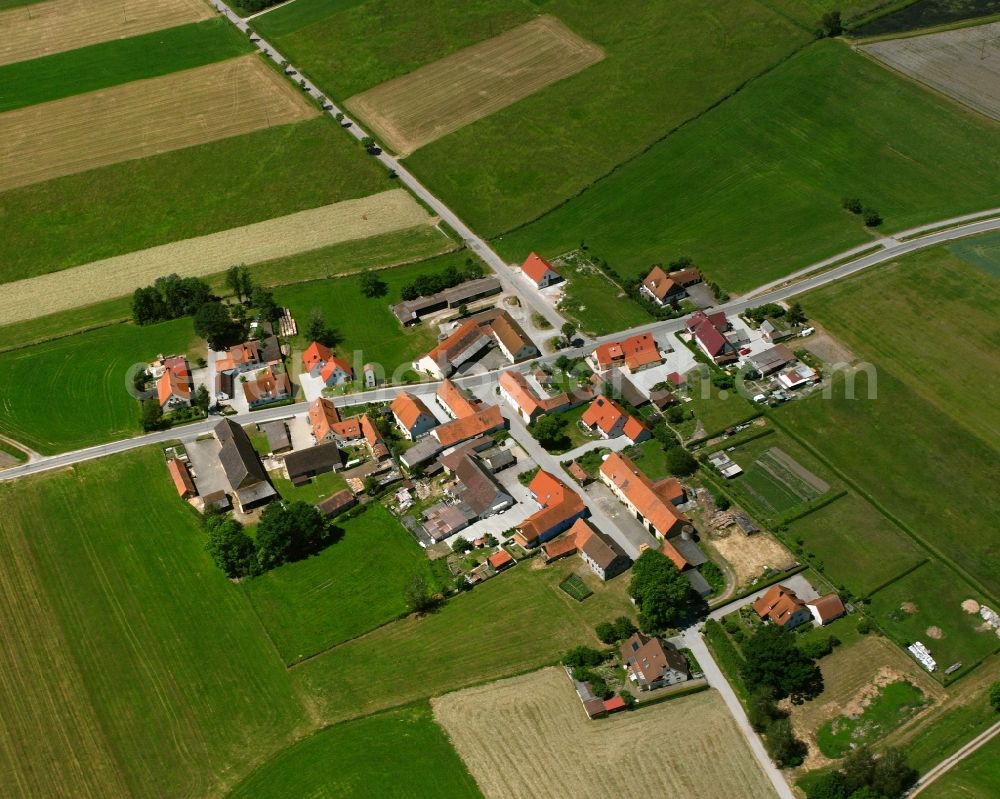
(799,584)
(474,242)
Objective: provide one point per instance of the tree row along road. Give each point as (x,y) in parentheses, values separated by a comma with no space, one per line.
(189,432)
(477,244)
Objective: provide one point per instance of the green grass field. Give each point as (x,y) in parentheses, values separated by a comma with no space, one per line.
(5,4)
(508,168)
(319,488)
(936,594)
(119,61)
(876,313)
(317,603)
(131,666)
(913,461)
(716,409)
(191,192)
(513,623)
(596,304)
(365,323)
(651,458)
(893,705)
(73,392)
(983,252)
(976,777)
(752,189)
(394,755)
(860,549)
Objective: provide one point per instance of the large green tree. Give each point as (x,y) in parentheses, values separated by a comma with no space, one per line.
(289,532)
(773,660)
(230,547)
(659,589)
(214,324)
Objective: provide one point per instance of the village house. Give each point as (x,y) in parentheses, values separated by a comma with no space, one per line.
(413,418)
(247,477)
(454,401)
(467,342)
(599,551)
(560,506)
(266,386)
(798,376)
(632,354)
(653,504)
(278,440)
(326,424)
(771,333)
(780,605)
(519,394)
(653,662)
(708,332)
(609,419)
(501,560)
(508,334)
(487,419)
(173,386)
(539,271)
(373,438)
(664,288)
(319,361)
(475,487)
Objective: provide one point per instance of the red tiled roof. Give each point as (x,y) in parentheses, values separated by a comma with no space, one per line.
(323,415)
(671,552)
(315,353)
(711,339)
(373,438)
(332,364)
(408,409)
(267,385)
(676,378)
(828,607)
(614,704)
(559,503)
(484,420)
(535,267)
(641,492)
(779,604)
(635,352)
(181,477)
(517,387)
(174,382)
(455,400)
(500,558)
(605,414)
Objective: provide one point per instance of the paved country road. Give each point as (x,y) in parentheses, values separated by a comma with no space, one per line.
(946,765)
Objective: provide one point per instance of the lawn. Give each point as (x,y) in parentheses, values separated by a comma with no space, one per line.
(131,666)
(876,313)
(119,61)
(982,252)
(506,169)
(351,587)
(976,777)
(894,704)
(514,623)
(751,190)
(181,194)
(317,489)
(651,458)
(400,754)
(73,392)
(575,435)
(716,409)
(370,333)
(597,305)
(859,548)
(931,597)
(912,461)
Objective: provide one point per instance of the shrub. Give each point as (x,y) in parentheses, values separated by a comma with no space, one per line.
(872,217)
(864,626)
(606,632)
(583,656)
(995,696)
(852,204)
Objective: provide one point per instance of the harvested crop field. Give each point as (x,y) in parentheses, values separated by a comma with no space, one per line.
(529,737)
(58,25)
(276,238)
(415,109)
(963,63)
(144,118)
(751,555)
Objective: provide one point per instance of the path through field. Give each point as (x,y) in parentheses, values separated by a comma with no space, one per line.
(263,241)
(144,118)
(41,29)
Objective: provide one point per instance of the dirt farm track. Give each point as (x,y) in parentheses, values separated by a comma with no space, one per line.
(529,737)
(143,118)
(57,25)
(428,103)
(205,255)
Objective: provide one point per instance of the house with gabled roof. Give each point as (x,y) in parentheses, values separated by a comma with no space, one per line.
(181,476)
(467,342)
(475,487)
(247,477)
(270,384)
(173,387)
(633,354)
(240,358)
(487,419)
(653,504)
(319,361)
(454,401)
(664,288)
(607,418)
(559,507)
(373,438)
(826,609)
(510,337)
(412,416)
(782,606)
(529,404)
(539,271)
(708,332)
(653,662)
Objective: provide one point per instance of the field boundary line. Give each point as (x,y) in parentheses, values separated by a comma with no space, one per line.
(944,27)
(646,148)
(892,580)
(955,758)
(891,517)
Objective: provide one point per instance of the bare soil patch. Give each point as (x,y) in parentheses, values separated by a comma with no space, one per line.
(852,676)
(908,607)
(206,255)
(41,29)
(144,118)
(970,606)
(750,555)
(428,103)
(963,63)
(529,737)
(935,633)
